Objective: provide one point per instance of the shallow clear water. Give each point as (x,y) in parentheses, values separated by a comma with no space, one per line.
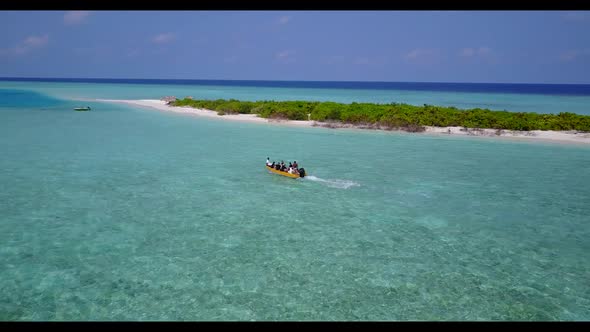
(514,102)
(134,214)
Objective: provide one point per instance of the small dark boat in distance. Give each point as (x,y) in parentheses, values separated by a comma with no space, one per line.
(87,108)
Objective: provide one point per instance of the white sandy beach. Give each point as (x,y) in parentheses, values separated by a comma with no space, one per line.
(540,135)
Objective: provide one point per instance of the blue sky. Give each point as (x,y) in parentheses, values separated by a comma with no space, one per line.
(413,46)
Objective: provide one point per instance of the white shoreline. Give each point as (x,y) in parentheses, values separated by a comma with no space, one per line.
(533,135)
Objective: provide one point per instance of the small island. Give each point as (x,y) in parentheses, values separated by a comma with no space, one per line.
(563,127)
(393,116)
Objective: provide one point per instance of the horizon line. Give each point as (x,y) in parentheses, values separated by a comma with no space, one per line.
(268,80)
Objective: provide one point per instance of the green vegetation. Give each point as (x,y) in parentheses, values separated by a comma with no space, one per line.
(395,115)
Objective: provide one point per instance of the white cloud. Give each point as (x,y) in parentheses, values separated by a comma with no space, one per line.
(75,16)
(284,19)
(28,44)
(484,51)
(472,52)
(163,38)
(417,53)
(467,52)
(34,41)
(423,56)
(285,56)
(571,55)
(362,61)
(131,53)
(568,55)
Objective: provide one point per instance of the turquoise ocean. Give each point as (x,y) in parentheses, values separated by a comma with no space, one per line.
(125,213)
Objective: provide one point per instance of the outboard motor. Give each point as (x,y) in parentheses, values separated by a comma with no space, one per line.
(301,172)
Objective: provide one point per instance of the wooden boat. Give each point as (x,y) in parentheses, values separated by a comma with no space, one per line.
(82,108)
(287,174)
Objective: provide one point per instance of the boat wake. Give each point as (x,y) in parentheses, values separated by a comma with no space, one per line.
(334,183)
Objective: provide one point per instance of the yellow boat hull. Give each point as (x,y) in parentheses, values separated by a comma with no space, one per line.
(287,174)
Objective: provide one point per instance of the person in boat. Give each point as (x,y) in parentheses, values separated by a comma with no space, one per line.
(295,164)
(268,163)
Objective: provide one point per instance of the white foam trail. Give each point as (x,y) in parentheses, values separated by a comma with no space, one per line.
(334,183)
